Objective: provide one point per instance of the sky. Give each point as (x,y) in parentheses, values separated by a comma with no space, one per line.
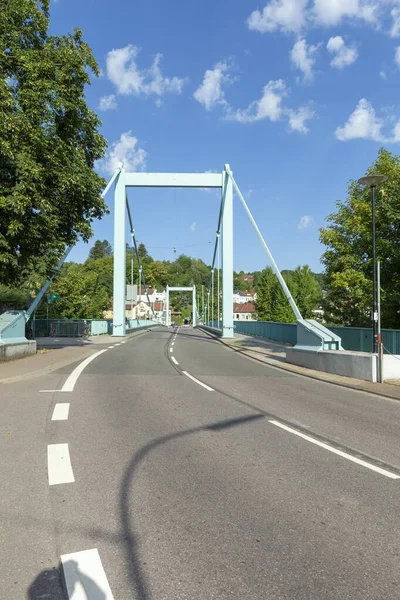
(297,96)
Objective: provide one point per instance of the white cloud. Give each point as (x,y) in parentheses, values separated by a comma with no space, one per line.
(210,92)
(295,16)
(193,226)
(362,123)
(285,15)
(395,14)
(268,107)
(108,103)
(297,118)
(344,55)
(125,151)
(332,12)
(396,133)
(305,222)
(303,57)
(383,75)
(124,73)
(397,56)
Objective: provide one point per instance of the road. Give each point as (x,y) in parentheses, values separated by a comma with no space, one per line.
(184,470)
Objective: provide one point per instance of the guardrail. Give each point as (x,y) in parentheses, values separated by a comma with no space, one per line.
(81,327)
(358,339)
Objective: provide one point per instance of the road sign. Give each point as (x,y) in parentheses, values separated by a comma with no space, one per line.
(53,297)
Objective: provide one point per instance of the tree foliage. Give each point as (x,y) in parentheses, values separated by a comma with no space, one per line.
(348,255)
(100,249)
(49,141)
(272,304)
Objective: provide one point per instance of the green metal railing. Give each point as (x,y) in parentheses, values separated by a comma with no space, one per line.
(358,339)
(80,327)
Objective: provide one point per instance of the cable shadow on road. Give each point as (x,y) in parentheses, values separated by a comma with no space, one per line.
(51,583)
(136,573)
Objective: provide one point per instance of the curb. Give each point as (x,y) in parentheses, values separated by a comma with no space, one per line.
(285,367)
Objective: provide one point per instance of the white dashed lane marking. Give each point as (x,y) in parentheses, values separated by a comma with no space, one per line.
(85,577)
(60,412)
(59,464)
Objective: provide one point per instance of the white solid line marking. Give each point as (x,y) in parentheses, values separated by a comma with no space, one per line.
(174,360)
(85,577)
(197,381)
(59,464)
(47,391)
(72,379)
(363,463)
(60,412)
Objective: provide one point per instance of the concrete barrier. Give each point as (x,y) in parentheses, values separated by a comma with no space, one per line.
(391,367)
(12,350)
(359,365)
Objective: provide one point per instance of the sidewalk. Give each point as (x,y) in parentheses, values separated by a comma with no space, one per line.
(54,353)
(274,354)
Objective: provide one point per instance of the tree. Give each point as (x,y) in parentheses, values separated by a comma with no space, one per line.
(49,141)
(265,294)
(100,249)
(306,291)
(83,293)
(348,255)
(271,303)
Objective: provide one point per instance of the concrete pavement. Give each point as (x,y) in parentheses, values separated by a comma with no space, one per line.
(184,492)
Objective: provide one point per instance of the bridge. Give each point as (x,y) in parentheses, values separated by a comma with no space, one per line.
(166,463)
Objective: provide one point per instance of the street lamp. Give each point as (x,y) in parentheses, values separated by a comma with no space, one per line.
(372,181)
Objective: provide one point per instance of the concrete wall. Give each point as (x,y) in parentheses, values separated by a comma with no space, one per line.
(391,367)
(11,350)
(359,365)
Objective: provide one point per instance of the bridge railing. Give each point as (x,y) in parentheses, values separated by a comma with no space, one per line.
(80,327)
(358,339)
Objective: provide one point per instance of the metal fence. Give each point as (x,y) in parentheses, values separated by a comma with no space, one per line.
(60,327)
(80,327)
(358,339)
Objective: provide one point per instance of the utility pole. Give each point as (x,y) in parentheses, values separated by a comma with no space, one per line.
(202,301)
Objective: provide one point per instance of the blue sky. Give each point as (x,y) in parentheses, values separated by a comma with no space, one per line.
(296,95)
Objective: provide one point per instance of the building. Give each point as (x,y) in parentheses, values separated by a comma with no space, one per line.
(244,312)
(243,297)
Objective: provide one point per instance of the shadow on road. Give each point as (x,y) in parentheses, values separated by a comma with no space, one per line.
(136,573)
(50,583)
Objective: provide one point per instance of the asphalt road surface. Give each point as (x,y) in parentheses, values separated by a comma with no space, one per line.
(176,468)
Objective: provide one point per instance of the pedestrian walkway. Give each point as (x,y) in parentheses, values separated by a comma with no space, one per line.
(54,353)
(274,353)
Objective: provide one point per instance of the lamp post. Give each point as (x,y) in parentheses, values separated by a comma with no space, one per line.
(372,181)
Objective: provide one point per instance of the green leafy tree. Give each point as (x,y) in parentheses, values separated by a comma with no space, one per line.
(281,310)
(49,141)
(100,249)
(265,295)
(348,255)
(82,294)
(306,291)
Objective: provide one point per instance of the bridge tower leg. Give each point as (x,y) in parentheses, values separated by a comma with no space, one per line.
(119,258)
(227,258)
